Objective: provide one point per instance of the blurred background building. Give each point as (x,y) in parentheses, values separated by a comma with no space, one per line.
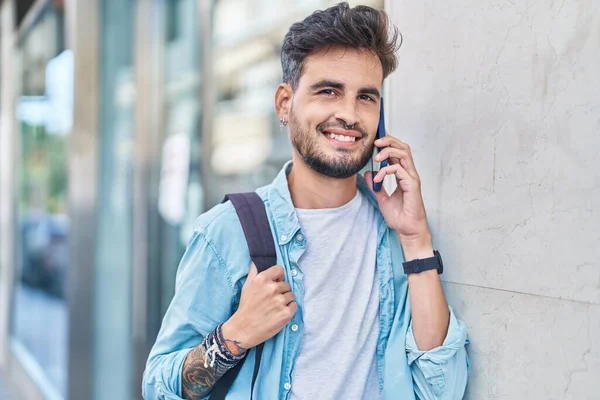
(122,120)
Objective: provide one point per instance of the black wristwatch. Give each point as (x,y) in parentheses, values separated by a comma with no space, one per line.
(425,264)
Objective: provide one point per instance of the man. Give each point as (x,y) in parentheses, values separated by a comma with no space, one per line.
(339,317)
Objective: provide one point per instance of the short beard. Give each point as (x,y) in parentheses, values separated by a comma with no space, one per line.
(307,147)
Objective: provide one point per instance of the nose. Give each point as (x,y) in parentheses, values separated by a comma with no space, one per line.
(347,113)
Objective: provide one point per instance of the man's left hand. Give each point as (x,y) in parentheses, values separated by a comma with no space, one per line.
(403,210)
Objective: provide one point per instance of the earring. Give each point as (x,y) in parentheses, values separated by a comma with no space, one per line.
(283,123)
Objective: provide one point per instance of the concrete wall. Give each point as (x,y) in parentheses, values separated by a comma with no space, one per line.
(500,101)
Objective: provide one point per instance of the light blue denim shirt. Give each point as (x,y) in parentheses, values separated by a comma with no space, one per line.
(208,286)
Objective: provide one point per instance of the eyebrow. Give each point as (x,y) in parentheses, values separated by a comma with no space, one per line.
(340,86)
(370,90)
(327,83)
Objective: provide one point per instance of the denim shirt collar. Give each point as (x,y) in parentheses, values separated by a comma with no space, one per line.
(284,212)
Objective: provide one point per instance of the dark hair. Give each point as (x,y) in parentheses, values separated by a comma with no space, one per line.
(360,27)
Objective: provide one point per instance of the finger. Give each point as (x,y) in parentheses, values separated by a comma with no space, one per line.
(288,298)
(395,143)
(283,287)
(292,307)
(379,195)
(391,141)
(252,273)
(395,155)
(397,170)
(275,273)
(392,154)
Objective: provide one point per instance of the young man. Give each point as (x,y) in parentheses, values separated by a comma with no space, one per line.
(339,317)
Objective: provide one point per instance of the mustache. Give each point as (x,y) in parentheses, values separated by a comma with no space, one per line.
(327,125)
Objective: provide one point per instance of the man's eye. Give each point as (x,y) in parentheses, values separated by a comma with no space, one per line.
(328,92)
(367,98)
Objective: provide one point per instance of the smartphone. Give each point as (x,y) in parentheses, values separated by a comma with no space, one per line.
(380,134)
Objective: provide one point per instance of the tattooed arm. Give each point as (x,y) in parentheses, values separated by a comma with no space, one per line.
(198,376)
(198,380)
(266,305)
(193,313)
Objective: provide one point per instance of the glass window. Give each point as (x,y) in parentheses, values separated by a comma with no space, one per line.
(113,276)
(180,194)
(44,112)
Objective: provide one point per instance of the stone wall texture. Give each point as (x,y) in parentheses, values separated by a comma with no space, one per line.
(500,102)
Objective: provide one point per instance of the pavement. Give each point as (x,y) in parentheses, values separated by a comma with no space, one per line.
(36,311)
(6,390)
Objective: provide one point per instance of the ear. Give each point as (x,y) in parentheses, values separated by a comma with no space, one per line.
(283,101)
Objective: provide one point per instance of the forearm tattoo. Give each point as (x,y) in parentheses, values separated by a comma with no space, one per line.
(205,365)
(198,376)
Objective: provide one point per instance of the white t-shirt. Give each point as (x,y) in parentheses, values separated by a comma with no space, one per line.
(337,358)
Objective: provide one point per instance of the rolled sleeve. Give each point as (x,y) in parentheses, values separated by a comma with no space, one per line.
(164,373)
(203,299)
(440,373)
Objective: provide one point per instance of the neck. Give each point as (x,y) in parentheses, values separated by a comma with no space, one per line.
(311,190)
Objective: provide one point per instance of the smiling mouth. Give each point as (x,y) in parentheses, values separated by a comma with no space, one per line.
(341,138)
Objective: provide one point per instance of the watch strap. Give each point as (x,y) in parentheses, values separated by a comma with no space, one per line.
(424,264)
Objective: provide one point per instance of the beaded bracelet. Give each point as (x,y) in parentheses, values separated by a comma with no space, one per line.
(216,351)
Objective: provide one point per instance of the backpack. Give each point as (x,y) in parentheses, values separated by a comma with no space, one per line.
(253,217)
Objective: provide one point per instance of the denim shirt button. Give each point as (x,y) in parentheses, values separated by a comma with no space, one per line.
(294,272)
(299,237)
(294,327)
(287,386)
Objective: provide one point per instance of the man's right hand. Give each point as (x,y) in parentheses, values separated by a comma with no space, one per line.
(267,304)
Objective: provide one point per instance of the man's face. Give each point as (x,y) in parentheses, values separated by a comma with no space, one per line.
(335,111)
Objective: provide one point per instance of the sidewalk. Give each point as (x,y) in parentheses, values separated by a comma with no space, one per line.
(6,392)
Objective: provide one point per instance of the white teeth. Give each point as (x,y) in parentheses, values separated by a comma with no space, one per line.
(341,138)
